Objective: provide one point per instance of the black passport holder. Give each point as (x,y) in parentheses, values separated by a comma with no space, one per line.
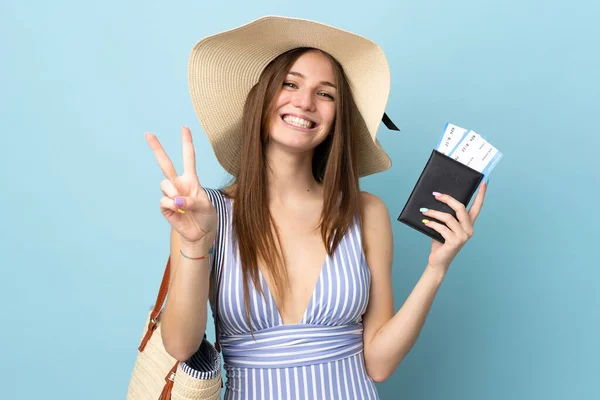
(441,174)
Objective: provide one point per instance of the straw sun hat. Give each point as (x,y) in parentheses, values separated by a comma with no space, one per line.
(224,67)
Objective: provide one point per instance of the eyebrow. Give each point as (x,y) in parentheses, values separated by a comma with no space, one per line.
(326,83)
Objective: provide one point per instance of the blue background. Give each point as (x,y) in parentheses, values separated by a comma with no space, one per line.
(83,244)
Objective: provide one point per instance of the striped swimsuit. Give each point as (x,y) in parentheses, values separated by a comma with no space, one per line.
(319,358)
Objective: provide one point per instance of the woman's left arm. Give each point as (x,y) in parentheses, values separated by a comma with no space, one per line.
(389,337)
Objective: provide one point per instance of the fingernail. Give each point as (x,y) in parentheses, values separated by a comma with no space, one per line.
(425,221)
(178,201)
(487,181)
(423,209)
(181,211)
(436,194)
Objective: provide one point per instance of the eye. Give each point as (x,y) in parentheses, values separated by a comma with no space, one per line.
(324,94)
(290,85)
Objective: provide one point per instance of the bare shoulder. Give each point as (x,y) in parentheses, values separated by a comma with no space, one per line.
(376,217)
(373,206)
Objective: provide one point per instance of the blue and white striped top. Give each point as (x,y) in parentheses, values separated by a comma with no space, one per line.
(319,358)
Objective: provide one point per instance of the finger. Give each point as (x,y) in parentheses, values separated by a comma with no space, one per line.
(168,188)
(449,220)
(185,203)
(169,205)
(189,155)
(461,212)
(441,229)
(164,162)
(478,202)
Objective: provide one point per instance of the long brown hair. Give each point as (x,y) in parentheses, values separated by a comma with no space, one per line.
(335,165)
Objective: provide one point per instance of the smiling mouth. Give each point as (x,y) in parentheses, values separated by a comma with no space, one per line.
(298,122)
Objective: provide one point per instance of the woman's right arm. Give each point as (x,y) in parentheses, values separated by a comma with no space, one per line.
(183,320)
(193,218)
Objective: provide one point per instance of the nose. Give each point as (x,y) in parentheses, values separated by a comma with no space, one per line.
(304,100)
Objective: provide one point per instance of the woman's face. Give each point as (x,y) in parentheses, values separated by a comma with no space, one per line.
(304,109)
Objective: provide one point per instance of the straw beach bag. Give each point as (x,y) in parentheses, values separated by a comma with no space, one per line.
(158,376)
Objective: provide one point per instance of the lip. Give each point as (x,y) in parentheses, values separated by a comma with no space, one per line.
(316,124)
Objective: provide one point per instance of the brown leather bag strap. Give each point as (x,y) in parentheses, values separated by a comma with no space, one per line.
(162,292)
(160,299)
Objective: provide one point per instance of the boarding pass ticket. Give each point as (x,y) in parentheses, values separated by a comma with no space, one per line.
(469,148)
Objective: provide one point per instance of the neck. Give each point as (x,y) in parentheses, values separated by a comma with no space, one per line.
(290,176)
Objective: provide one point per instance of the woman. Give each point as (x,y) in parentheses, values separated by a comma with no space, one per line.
(306,303)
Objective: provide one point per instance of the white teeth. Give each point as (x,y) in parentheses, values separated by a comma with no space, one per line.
(299,122)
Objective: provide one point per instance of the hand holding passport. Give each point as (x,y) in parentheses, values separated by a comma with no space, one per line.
(461,161)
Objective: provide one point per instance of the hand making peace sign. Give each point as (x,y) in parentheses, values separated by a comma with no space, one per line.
(185,204)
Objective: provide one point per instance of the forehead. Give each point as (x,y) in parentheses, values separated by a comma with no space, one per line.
(314,65)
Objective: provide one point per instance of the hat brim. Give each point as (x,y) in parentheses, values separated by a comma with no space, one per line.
(224,67)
